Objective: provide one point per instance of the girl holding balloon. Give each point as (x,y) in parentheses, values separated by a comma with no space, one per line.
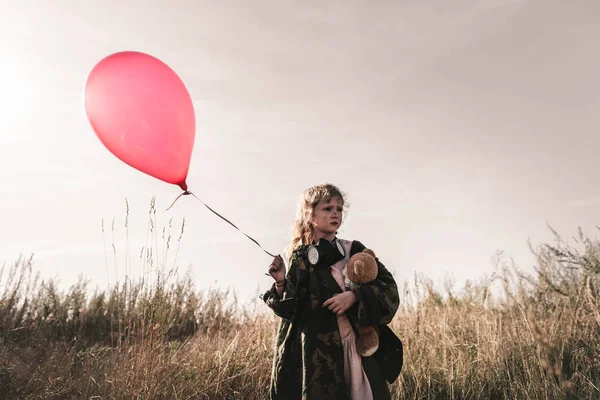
(315,354)
(142,112)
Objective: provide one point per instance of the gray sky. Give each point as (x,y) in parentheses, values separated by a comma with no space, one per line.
(456,128)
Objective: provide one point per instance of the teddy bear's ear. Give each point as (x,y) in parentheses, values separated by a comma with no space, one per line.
(369,251)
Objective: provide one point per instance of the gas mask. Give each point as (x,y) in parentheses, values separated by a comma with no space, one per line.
(325,253)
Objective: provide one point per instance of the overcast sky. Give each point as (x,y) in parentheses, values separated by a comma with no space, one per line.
(456,128)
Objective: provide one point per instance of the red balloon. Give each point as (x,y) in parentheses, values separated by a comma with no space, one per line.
(142,112)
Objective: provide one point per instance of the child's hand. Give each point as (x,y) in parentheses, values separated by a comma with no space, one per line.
(340,303)
(277,269)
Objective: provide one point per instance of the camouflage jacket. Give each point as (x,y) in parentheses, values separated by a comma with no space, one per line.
(308,361)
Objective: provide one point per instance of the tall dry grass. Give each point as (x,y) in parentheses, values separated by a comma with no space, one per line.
(510,336)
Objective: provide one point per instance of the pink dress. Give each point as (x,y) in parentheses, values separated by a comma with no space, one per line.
(356,379)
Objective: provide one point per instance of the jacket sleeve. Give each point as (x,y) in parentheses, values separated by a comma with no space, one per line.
(287,305)
(378,300)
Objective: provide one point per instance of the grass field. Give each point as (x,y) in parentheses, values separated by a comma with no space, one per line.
(508,336)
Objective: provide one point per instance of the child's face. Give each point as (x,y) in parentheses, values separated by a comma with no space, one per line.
(327,217)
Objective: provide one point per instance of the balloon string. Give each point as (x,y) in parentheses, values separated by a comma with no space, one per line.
(172,204)
(187,192)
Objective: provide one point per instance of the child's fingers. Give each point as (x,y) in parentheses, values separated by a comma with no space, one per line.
(334,307)
(329,300)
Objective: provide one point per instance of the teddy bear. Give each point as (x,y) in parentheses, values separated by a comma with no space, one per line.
(362,268)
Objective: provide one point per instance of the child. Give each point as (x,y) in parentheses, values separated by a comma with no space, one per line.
(315,354)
